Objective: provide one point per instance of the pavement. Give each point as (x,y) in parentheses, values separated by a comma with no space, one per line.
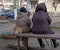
(55,22)
(55,19)
(7,27)
(33,43)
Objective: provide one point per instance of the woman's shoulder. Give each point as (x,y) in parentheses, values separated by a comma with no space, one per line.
(40,12)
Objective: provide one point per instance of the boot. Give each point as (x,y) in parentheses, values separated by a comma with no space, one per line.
(41,43)
(55,43)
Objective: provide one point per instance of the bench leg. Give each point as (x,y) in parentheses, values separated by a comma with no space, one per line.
(51,42)
(47,42)
(18,41)
(26,44)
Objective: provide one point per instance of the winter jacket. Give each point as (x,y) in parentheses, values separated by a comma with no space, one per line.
(23,21)
(41,20)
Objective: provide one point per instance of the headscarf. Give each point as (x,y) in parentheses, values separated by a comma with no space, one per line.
(41,7)
(23,9)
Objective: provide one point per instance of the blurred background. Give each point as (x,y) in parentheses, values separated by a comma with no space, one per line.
(7,7)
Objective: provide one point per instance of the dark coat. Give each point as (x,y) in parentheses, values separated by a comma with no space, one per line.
(41,20)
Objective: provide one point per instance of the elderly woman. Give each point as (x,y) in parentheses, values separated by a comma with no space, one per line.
(22,23)
(41,23)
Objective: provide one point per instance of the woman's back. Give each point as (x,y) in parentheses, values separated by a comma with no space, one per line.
(41,20)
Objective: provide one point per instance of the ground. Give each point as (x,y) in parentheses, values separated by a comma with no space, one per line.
(33,43)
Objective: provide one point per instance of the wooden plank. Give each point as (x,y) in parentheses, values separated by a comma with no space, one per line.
(49,36)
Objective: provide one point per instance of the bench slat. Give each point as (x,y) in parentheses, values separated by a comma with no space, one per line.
(50,36)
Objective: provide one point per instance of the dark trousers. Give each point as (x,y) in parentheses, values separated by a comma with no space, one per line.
(41,42)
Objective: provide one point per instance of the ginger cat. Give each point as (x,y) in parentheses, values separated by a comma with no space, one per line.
(17,30)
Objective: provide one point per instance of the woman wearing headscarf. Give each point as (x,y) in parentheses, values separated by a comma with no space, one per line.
(41,23)
(22,22)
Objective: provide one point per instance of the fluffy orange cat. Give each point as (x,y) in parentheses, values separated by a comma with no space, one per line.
(17,30)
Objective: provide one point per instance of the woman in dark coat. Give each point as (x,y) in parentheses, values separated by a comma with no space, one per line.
(41,23)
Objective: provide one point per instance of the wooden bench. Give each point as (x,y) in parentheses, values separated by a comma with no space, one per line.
(26,35)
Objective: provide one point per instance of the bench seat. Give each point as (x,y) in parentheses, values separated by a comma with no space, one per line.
(50,36)
(27,35)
